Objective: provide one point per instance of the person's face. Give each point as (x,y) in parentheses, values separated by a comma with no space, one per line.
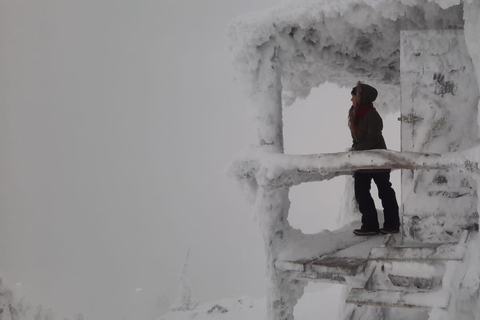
(354,100)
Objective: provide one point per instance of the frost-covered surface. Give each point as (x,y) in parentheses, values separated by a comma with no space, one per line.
(281,54)
(321,304)
(336,41)
(325,304)
(300,246)
(439,104)
(277,170)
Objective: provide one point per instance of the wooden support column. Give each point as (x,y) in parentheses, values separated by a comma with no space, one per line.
(471,30)
(272,204)
(266,95)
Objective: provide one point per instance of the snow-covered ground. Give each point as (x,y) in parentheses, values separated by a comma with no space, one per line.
(321,303)
(128,255)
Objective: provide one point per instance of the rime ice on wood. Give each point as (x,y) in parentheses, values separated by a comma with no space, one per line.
(336,41)
(280,55)
(439,88)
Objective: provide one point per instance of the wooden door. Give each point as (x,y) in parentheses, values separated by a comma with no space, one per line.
(438,114)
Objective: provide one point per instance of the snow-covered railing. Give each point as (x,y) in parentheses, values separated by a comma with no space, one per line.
(280,55)
(282,170)
(268,175)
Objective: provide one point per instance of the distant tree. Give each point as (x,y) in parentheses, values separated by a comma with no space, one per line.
(12,308)
(22,309)
(39,314)
(183,301)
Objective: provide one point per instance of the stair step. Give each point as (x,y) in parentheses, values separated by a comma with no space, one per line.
(339,265)
(364,312)
(398,299)
(415,282)
(405,275)
(332,269)
(438,253)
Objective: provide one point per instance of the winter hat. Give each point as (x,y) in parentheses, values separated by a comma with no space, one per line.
(365,94)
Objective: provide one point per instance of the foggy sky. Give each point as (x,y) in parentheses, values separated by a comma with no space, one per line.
(117,121)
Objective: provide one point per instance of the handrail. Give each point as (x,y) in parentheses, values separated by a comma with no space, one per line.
(283,170)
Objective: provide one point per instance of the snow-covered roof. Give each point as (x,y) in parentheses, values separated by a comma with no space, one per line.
(339,41)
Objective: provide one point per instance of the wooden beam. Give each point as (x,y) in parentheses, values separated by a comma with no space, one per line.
(280,170)
(437,253)
(398,299)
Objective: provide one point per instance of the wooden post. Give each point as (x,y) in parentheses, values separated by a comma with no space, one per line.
(272,204)
(471,29)
(266,95)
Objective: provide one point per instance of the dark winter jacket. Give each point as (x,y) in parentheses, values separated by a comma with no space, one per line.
(367,133)
(366,124)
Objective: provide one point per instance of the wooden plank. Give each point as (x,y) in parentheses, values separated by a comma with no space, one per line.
(416,282)
(383,313)
(323,277)
(398,299)
(440,253)
(330,269)
(339,265)
(347,240)
(326,277)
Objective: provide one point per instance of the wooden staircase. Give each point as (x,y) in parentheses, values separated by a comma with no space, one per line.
(425,278)
(392,282)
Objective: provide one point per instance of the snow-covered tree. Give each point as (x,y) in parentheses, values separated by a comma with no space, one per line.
(184,301)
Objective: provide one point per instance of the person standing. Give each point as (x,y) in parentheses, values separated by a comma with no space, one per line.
(366,128)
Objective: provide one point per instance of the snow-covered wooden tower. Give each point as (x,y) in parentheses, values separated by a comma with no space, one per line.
(424,57)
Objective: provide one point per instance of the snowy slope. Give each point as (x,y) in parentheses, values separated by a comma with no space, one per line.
(321,304)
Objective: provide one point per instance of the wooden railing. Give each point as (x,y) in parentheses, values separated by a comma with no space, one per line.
(283,170)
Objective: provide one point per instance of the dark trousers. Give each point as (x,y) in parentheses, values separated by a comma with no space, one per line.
(366,204)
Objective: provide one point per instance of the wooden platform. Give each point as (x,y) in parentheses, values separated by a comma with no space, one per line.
(352,260)
(340,263)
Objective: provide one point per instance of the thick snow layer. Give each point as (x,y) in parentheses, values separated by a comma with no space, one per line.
(323,304)
(286,51)
(439,88)
(279,170)
(337,41)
